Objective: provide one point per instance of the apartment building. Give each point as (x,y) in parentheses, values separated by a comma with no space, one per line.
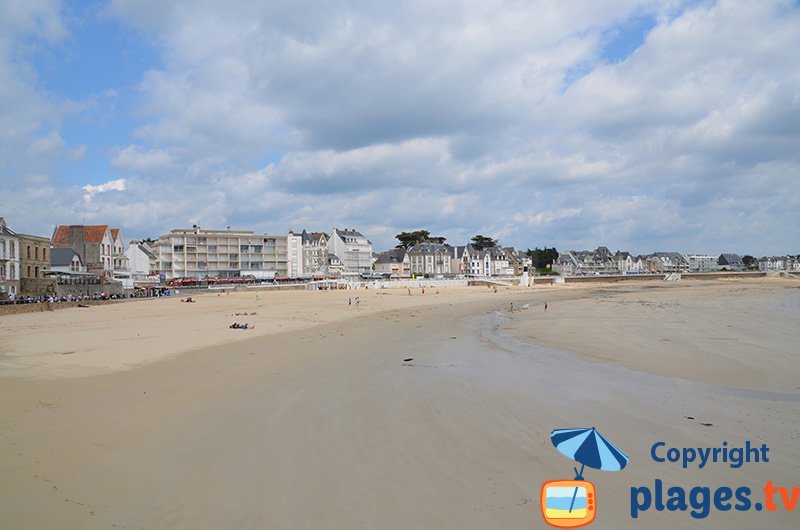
(702,263)
(201,253)
(352,248)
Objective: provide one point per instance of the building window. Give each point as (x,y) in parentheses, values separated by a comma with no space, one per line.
(36,251)
(29,252)
(44,253)
(37,272)
(29,267)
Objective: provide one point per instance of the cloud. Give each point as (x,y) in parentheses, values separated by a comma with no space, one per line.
(135,159)
(111,185)
(512,119)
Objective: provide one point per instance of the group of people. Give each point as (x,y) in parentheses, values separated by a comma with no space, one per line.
(51,298)
(236,325)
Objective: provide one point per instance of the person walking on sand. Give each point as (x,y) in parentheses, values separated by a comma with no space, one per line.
(545,307)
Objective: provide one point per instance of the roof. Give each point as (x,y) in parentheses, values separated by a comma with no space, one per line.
(4,229)
(91,233)
(115,233)
(730,259)
(312,237)
(348,232)
(395,255)
(146,251)
(427,248)
(62,257)
(41,239)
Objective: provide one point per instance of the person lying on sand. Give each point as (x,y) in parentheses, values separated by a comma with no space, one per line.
(189,300)
(236,325)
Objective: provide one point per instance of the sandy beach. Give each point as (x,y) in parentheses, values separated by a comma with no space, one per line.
(402,412)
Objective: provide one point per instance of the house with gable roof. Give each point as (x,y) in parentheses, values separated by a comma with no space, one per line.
(731,262)
(94,244)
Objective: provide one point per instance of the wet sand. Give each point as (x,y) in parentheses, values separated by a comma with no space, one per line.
(327,426)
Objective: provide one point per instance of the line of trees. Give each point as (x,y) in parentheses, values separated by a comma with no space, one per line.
(416,237)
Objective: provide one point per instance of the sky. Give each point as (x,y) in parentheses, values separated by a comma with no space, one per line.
(639,125)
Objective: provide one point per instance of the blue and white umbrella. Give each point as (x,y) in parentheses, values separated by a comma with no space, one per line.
(588,447)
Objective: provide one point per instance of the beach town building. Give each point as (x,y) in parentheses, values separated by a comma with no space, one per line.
(626,263)
(315,253)
(95,244)
(731,262)
(430,259)
(352,248)
(516,260)
(500,262)
(586,262)
(666,262)
(335,266)
(701,263)
(142,260)
(9,262)
(459,264)
(493,261)
(394,263)
(202,253)
(779,263)
(65,261)
(34,261)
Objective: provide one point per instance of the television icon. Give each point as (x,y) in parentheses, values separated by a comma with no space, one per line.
(568,503)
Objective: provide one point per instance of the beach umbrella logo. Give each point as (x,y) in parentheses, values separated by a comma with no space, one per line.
(573,503)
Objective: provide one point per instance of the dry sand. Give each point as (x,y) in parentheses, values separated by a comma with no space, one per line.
(316,421)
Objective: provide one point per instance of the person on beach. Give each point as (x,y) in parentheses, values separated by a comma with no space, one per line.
(545,307)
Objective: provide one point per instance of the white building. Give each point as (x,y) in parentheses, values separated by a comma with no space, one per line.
(779,263)
(429,259)
(200,253)
(702,263)
(352,248)
(141,260)
(9,262)
(315,253)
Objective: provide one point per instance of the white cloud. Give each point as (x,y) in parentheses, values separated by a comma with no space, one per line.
(135,159)
(496,117)
(111,185)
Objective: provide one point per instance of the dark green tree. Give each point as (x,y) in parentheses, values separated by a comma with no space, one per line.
(482,242)
(749,261)
(409,239)
(541,258)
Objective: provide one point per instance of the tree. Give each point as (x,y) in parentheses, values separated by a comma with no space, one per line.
(482,242)
(749,261)
(409,239)
(542,258)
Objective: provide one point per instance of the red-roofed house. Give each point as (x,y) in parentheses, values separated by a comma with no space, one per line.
(95,244)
